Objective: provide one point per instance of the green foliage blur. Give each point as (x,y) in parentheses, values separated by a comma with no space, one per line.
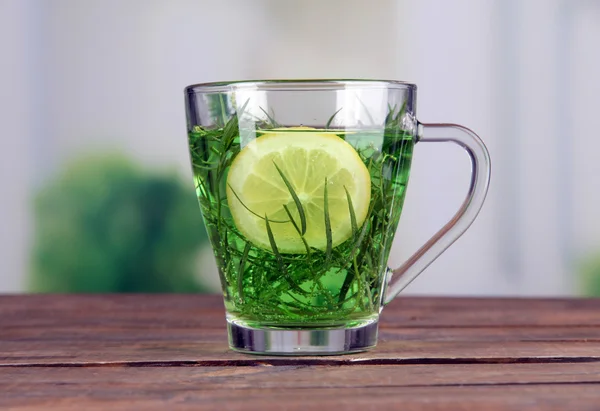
(105,225)
(590,277)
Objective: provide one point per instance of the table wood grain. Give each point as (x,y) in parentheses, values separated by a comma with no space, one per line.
(157,352)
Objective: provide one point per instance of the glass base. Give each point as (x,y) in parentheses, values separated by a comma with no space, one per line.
(318,341)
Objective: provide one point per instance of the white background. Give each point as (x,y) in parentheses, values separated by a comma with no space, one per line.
(80,76)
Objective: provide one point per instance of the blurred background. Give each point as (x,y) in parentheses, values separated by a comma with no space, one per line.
(96,183)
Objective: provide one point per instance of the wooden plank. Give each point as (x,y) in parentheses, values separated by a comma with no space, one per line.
(109,333)
(21,380)
(492,334)
(46,329)
(212,353)
(187,395)
(118,311)
(169,351)
(71,346)
(206,311)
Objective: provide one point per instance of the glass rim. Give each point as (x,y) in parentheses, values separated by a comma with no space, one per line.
(296,84)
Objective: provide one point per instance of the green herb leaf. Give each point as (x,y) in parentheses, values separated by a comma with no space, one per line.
(332,117)
(390,115)
(287,210)
(350,275)
(357,244)
(279,258)
(327,222)
(271,119)
(352,214)
(401,112)
(241,111)
(231,129)
(273,243)
(240,276)
(367,112)
(296,199)
(223,110)
(230,132)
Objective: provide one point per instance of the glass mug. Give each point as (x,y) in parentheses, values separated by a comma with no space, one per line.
(301,185)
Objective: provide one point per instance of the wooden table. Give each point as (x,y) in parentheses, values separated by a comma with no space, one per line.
(169,352)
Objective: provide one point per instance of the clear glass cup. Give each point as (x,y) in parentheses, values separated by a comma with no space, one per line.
(301,185)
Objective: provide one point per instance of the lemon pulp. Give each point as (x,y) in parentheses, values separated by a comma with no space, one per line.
(308,159)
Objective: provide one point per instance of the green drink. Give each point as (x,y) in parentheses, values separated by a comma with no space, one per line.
(301,185)
(264,282)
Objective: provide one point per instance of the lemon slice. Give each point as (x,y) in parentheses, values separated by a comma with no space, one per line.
(256,188)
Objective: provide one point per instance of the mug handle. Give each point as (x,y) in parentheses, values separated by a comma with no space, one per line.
(480,179)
